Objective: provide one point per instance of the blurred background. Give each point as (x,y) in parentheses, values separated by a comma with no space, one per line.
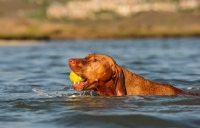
(35,90)
(72,19)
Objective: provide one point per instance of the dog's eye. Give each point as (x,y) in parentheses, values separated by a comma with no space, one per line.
(95,60)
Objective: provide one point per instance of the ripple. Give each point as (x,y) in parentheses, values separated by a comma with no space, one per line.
(35,90)
(131,120)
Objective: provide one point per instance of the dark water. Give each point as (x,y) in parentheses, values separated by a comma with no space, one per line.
(35,90)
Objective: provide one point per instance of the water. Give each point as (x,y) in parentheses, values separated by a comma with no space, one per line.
(35,90)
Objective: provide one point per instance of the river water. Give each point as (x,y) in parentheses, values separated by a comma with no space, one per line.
(35,90)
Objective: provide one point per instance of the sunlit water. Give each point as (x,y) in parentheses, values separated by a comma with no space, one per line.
(35,91)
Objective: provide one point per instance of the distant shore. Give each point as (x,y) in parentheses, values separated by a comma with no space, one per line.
(14,42)
(149,24)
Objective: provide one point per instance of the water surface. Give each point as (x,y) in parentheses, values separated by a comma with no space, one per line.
(35,90)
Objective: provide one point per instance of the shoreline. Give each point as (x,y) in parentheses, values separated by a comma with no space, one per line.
(24,38)
(142,25)
(14,42)
(35,41)
(17,42)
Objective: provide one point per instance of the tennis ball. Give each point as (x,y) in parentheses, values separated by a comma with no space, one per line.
(75,78)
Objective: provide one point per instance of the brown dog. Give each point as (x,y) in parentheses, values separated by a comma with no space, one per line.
(104,75)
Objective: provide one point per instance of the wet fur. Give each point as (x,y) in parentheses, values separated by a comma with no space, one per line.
(110,79)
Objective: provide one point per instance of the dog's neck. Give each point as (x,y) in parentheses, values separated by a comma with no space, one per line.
(106,88)
(130,80)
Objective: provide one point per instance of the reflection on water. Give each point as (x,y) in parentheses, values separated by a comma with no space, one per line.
(35,90)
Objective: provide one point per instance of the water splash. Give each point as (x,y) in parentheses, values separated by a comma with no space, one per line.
(197,88)
(69,93)
(41,93)
(82,93)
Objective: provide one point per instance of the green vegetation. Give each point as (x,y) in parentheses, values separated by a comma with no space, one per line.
(30,22)
(105,14)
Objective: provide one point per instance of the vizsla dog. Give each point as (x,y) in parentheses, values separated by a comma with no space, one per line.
(103,75)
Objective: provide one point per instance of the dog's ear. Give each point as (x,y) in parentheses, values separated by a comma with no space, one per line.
(119,80)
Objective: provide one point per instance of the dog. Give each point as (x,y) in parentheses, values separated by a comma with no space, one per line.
(103,75)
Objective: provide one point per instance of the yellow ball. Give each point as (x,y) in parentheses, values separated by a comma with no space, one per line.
(75,78)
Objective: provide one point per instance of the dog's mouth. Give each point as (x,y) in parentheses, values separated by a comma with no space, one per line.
(87,84)
(79,86)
